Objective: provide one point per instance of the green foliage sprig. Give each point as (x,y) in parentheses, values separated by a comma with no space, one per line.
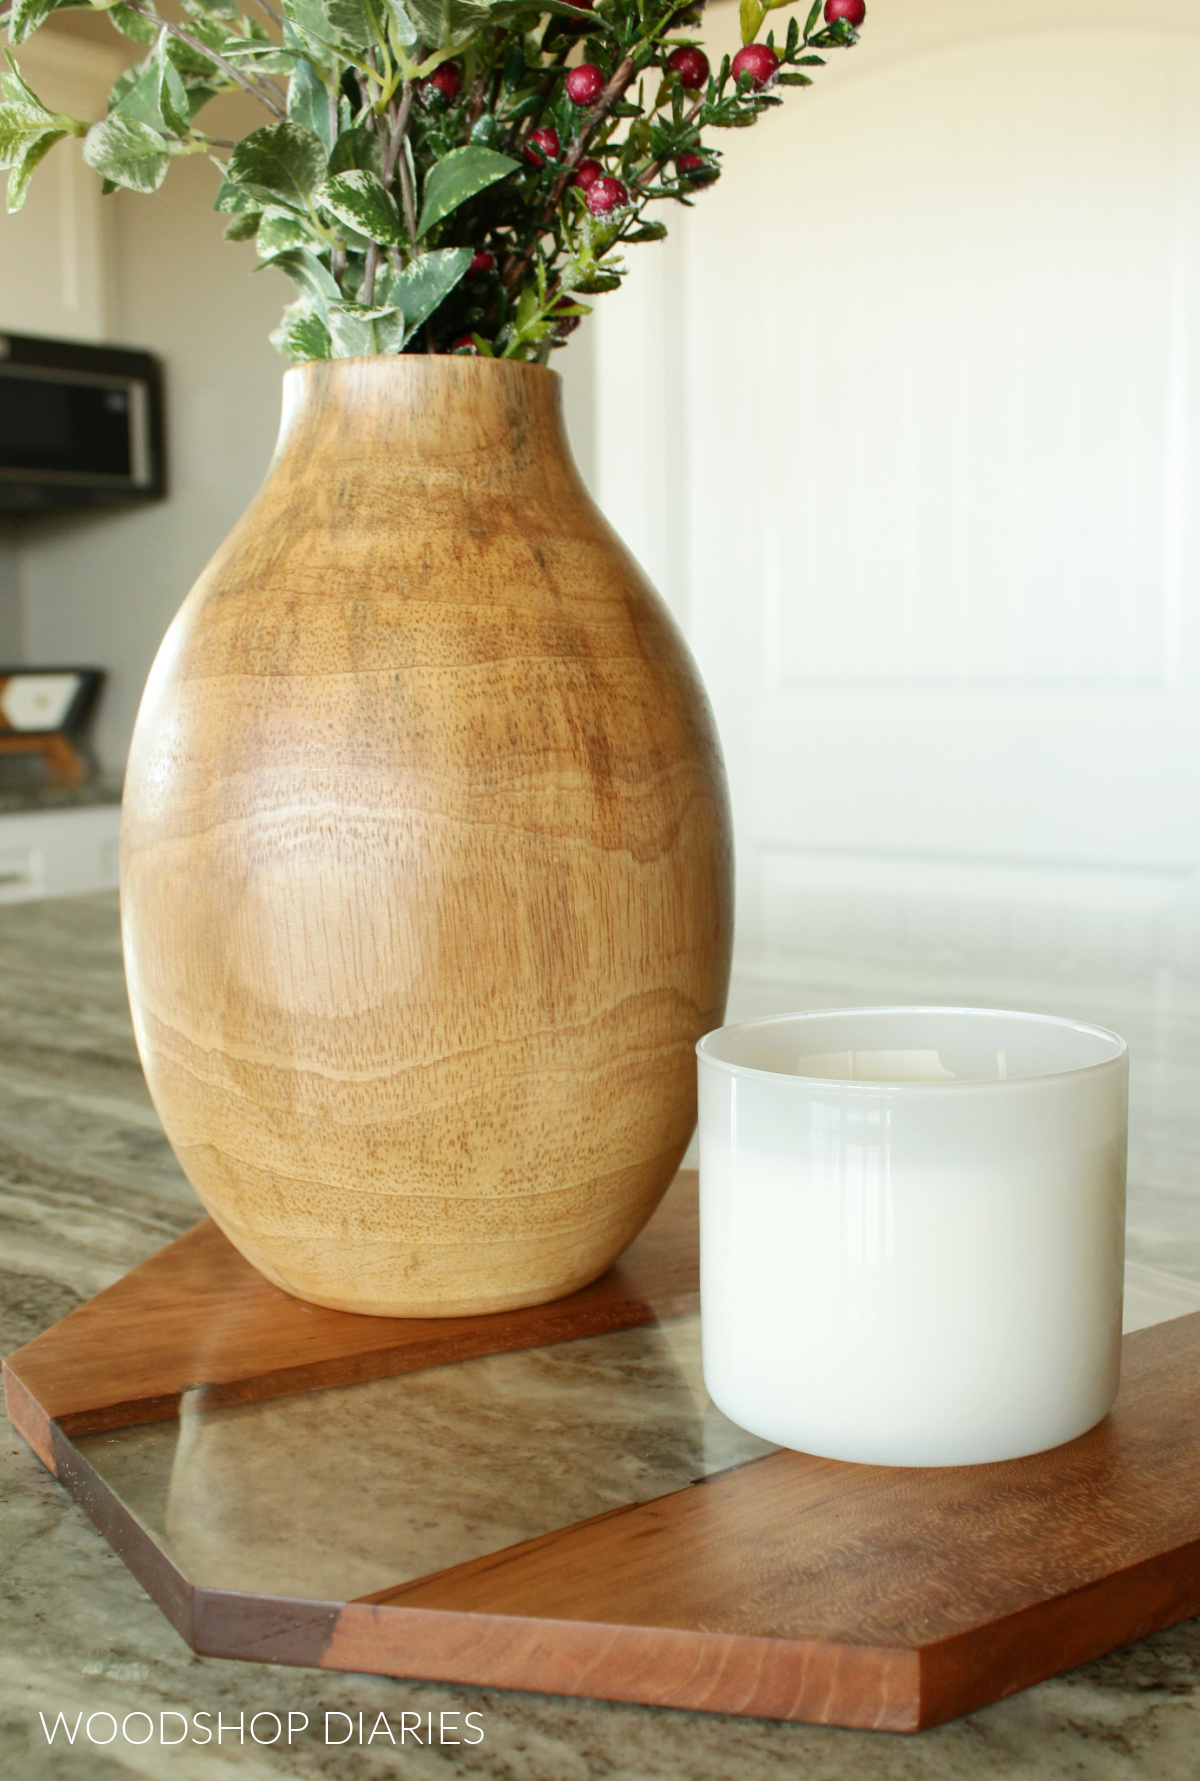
(435,175)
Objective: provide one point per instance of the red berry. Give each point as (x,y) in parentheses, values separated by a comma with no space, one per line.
(587,173)
(465,343)
(446,80)
(605,194)
(692,164)
(758,61)
(543,146)
(691,65)
(481,261)
(585,84)
(853,11)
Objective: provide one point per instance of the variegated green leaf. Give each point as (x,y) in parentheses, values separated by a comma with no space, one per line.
(302,335)
(441,24)
(192,63)
(422,286)
(260,50)
(21,125)
(131,155)
(359,332)
(309,20)
(358,147)
(123,86)
(21,171)
(353,21)
(132,24)
(459,176)
(13,90)
(28,130)
(403,31)
(156,96)
(243,227)
(27,15)
(308,103)
(233,199)
(282,163)
(281,230)
(198,95)
(364,202)
(314,281)
(210,9)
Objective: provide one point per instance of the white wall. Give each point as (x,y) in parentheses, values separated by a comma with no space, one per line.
(905,421)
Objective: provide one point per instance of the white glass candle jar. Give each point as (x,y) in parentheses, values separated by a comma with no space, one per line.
(912,1231)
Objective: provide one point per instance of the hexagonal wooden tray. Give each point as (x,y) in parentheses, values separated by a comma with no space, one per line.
(788,1586)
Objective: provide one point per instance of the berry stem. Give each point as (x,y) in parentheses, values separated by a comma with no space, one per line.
(529,124)
(395,154)
(651,172)
(621,79)
(259,89)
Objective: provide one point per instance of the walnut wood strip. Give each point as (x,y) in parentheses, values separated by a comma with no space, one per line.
(197,1314)
(29,1419)
(998,1575)
(263,1628)
(818,1681)
(716,1672)
(989,1662)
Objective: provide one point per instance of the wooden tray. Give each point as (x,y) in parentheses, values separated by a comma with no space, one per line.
(788,1587)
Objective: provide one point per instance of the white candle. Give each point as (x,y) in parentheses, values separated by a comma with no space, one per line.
(912,1231)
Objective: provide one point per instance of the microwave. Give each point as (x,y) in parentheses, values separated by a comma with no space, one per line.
(80,425)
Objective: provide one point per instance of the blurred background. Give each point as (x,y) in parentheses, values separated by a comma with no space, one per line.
(903,420)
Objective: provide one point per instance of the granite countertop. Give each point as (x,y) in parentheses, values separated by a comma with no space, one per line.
(26,799)
(89,1188)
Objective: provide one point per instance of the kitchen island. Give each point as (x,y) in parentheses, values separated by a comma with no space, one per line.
(89,1188)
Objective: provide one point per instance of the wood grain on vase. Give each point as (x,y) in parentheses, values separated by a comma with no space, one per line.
(197,1315)
(426,860)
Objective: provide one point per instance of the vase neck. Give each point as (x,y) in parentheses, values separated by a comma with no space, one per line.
(478,416)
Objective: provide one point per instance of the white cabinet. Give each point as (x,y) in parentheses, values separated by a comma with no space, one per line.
(58,853)
(56,271)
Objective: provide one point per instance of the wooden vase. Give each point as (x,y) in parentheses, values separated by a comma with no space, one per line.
(425,857)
